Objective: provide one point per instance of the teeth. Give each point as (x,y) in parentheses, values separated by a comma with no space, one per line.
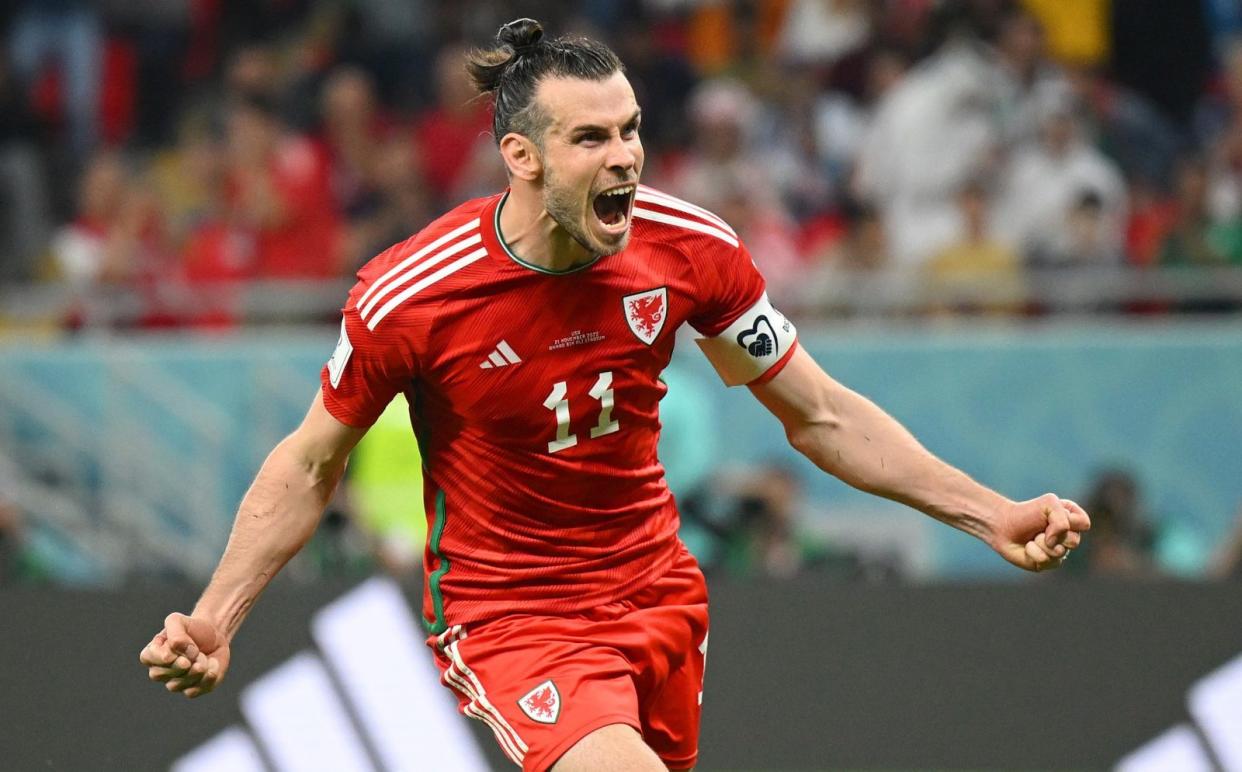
(620,191)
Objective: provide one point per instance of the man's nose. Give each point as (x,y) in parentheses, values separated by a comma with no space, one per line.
(621,155)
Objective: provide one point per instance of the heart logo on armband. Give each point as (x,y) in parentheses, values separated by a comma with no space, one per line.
(760,340)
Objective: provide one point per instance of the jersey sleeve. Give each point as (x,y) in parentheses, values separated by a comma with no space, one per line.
(743,335)
(367,369)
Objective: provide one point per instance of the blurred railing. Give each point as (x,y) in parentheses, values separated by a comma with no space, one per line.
(825,293)
(127,454)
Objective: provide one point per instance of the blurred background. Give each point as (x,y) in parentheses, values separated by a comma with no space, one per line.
(1015,224)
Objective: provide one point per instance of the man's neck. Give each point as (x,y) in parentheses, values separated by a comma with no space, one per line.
(530,233)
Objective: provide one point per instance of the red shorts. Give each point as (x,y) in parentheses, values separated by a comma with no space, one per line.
(543,682)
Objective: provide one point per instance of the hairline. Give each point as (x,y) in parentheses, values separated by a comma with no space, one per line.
(542,117)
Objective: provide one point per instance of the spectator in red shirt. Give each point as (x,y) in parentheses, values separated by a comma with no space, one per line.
(353,146)
(453,135)
(277,189)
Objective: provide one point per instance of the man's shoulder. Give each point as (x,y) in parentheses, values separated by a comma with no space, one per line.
(660,217)
(450,228)
(392,279)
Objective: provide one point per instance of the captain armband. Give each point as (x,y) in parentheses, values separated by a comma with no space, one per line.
(759,339)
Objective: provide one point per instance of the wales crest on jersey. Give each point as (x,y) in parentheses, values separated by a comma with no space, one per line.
(645,312)
(543,703)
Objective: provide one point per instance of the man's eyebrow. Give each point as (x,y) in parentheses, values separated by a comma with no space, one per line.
(590,127)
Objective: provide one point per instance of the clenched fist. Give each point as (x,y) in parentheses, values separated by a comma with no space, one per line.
(1038,534)
(190,655)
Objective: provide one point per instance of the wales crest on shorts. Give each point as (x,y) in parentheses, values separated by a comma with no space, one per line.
(543,703)
(645,312)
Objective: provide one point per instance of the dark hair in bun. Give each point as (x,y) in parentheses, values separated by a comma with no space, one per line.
(522,57)
(520,35)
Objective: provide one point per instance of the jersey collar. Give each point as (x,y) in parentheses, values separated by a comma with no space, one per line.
(494,240)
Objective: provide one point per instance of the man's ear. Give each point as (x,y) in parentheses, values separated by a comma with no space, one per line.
(521,157)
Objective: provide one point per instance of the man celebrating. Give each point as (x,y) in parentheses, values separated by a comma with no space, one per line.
(528,330)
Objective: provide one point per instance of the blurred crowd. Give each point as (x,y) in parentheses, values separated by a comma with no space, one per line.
(182,150)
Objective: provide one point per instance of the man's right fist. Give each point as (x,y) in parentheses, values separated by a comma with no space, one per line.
(190,655)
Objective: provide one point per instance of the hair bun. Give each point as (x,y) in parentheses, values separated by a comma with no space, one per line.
(520,34)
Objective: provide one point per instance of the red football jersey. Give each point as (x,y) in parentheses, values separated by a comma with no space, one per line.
(535,398)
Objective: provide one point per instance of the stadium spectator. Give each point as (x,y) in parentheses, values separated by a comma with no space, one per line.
(277,191)
(842,120)
(767,227)
(663,79)
(979,272)
(849,263)
(1220,104)
(215,249)
(112,236)
(932,132)
(1025,72)
(1153,215)
(1123,541)
(1056,179)
(818,33)
(762,533)
(726,119)
(451,138)
(25,216)
(188,180)
(351,144)
(1127,127)
(1195,239)
(263,209)
(406,204)
(789,150)
(253,70)
(1087,237)
(395,43)
(1225,173)
(155,40)
(68,34)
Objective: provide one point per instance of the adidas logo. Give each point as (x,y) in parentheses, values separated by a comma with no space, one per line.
(338,706)
(1212,739)
(502,356)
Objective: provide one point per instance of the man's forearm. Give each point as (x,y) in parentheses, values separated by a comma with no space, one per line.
(276,518)
(862,445)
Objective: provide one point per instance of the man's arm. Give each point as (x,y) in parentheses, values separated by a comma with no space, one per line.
(848,436)
(276,518)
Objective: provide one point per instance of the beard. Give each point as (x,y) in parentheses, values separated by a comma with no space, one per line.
(566,210)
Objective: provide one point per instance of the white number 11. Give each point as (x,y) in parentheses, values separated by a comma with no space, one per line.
(557,402)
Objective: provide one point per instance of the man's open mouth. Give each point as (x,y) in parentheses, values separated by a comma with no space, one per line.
(612,207)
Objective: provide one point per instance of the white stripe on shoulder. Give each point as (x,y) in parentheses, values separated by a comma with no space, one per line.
(421,267)
(423,283)
(401,266)
(653,196)
(693,225)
